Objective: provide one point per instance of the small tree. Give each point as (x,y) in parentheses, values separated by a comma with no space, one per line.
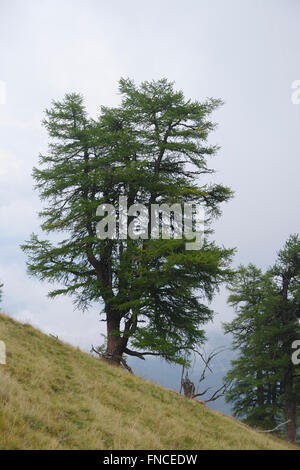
(151,149)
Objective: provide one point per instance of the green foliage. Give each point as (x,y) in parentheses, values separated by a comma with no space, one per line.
(152,149)
(265,382)
(250,374)
(1,292)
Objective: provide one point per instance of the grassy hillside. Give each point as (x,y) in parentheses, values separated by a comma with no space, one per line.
(53,396)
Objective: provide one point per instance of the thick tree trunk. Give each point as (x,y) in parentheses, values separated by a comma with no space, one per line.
(115,344)
(291,428)
(290,407)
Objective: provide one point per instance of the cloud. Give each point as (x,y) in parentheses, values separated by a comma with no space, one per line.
(8,162)
(33,124)
(87,66)
(19,218)
(26,300)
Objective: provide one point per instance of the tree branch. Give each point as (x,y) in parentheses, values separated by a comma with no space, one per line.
(140,355)
(277,427)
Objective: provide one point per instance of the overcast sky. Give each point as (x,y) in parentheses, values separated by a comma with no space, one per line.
(246,52)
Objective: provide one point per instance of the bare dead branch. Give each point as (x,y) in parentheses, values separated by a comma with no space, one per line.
(182,373)
(277,427)
(112,357)
(189,387)
(202,393)
(219,393)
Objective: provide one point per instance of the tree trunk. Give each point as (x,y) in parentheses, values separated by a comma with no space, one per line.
(260,390)
(290,407)
(290,400)
(291,428)
(115,344)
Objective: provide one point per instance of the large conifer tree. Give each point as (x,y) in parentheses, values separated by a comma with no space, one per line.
(151,149)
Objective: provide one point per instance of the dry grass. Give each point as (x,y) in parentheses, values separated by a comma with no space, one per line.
(53,396)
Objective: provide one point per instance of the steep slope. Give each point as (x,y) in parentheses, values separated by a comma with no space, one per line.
(53,396)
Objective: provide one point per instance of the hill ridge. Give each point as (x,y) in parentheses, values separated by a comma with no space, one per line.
(54,396)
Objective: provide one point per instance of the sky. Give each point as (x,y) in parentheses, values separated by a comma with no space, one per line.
(246,52)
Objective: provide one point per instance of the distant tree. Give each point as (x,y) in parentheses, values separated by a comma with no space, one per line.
(266,388)
(1,292)
(286,275)
(150,149)
(255,385)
